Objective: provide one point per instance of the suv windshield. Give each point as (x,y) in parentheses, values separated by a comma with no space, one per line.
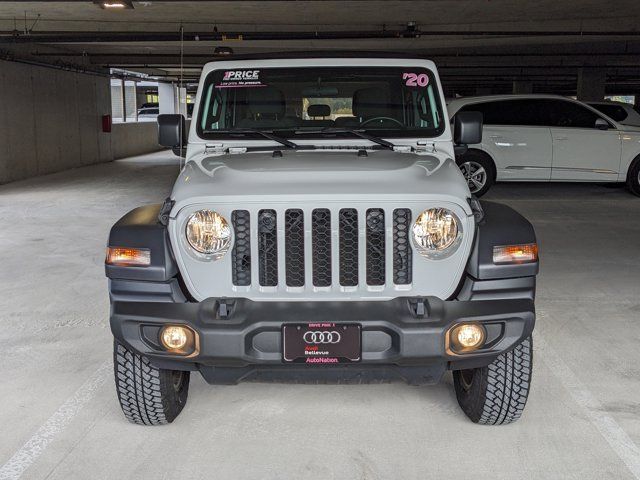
(307,101)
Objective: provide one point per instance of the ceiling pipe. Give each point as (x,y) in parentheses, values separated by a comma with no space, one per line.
(95,37)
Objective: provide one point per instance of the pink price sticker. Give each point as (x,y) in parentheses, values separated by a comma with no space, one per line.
(415,79)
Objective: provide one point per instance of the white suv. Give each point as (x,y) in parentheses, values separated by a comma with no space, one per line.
(623,113)
(544,138)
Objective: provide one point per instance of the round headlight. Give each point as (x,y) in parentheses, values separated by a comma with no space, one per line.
(437,233)
(208,233)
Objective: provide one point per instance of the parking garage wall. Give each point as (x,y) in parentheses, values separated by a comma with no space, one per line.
(51,120)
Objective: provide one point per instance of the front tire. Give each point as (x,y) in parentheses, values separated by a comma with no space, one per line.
(633,178)
(148,395)
(478,171)
(496,394)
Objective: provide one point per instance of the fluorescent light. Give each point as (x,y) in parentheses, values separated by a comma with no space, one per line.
(114,4)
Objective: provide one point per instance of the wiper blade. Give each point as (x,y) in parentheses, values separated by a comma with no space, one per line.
(265,134)
(357,133)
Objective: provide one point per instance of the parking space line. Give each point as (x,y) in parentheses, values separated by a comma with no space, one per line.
(37,444)
(612,432)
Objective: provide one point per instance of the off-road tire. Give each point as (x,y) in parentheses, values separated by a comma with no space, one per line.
(148,395)
(483,160)
(497,394)
(633,178)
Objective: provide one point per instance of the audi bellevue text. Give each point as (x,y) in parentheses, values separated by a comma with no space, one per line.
(321,230)
(547,138)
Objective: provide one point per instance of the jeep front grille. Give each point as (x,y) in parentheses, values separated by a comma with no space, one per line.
(313,249)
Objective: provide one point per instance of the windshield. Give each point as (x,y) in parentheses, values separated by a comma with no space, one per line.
(306,101)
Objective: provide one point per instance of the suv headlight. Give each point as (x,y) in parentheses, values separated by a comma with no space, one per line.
(437,233)
(208,233)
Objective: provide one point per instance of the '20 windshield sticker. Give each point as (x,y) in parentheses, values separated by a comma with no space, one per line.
(415,79)
(241,78)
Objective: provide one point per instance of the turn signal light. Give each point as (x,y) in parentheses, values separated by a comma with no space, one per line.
(466,337)
(128,257)
(178,339)
(525,253)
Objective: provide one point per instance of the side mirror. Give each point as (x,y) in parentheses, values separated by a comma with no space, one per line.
(172,131)
(602,124)
(467,128)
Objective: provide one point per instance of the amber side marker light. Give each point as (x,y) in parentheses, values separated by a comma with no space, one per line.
(128,257)
(178,339)
(506,254)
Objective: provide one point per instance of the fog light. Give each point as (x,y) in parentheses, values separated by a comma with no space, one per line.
(467,337)
(178,339)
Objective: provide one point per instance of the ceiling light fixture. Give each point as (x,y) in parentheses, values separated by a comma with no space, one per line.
(114,4)
(223,51)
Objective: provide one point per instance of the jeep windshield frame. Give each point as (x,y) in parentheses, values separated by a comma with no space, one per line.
(308,102)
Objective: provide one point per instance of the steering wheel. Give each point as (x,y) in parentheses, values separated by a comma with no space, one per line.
(382,119)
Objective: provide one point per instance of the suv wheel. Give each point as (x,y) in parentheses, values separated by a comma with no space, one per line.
(496,394)
(479,172)
(633,178)
(148,395)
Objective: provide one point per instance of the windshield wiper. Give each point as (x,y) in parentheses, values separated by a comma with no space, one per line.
(357,133)
(265,134)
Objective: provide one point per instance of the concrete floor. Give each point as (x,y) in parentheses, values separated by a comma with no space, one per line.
(60,418)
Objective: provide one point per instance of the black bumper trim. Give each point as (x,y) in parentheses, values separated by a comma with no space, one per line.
(392,333)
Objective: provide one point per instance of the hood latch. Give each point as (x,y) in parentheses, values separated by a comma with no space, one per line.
(424,146)
(214,148)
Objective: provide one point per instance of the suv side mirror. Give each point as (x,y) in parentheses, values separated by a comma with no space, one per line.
(602,124)
(467,128)
(172,131)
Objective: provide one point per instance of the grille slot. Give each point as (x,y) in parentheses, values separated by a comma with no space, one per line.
(321,247)
(348,229)
(402,254)
(294,245)
(241,252)
(375,247)
(267,248)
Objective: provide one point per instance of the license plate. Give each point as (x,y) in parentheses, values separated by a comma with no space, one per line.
(321,343)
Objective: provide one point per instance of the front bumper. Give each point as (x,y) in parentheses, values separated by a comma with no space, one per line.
(402,337)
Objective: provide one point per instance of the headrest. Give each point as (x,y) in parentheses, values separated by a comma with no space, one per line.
(371,102)
(319,110)
(265,101)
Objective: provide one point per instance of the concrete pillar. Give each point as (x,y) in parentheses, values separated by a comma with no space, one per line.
(182,101)
(522,86)
(167,98)
(591,83)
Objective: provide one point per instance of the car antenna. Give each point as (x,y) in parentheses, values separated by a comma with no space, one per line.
(181,87)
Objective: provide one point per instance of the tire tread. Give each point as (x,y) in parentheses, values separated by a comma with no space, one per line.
(502,388)
(145,392)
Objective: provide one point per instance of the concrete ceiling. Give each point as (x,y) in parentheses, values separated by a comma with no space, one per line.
(476,43)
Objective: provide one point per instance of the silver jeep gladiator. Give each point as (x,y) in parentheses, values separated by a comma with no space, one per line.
(320,231)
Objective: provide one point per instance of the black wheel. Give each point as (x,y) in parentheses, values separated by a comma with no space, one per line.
(478,170)
(148,395)
(633,178)
(496,394)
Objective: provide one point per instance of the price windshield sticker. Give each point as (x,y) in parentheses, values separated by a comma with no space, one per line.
(240,79)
